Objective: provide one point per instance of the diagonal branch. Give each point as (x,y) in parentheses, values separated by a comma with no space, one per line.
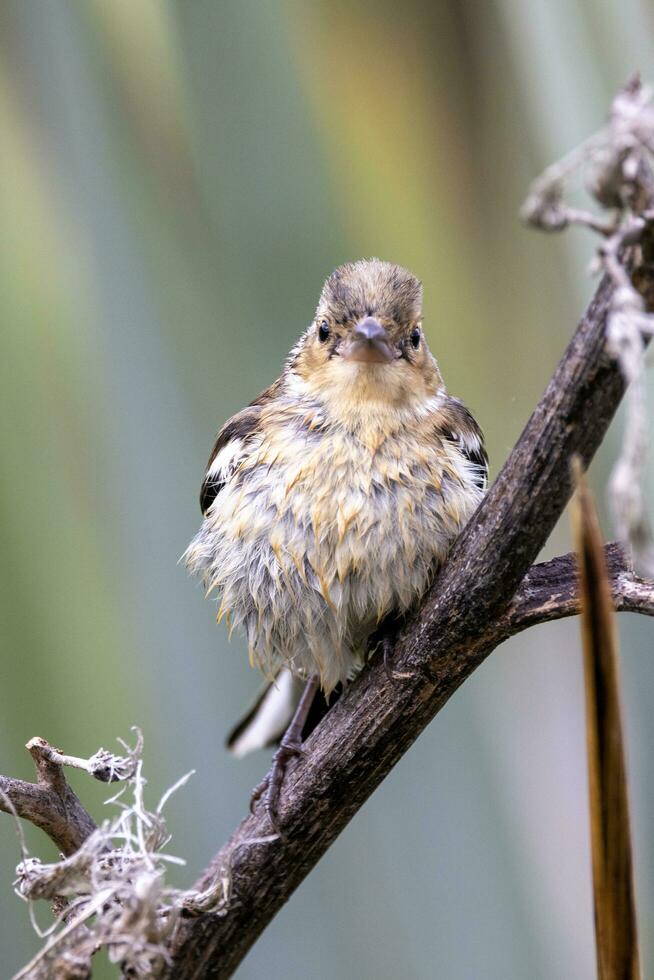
(375,721)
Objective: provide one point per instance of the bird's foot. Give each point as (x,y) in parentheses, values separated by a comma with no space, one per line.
(387,648)
(270,787)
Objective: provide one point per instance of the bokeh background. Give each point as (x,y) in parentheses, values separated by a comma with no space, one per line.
(176,181)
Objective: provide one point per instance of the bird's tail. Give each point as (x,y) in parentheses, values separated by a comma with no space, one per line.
(270,715)
(268,718)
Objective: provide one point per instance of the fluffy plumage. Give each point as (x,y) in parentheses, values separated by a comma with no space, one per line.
(332,499)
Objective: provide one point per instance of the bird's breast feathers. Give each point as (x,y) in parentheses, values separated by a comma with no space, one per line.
(315,530)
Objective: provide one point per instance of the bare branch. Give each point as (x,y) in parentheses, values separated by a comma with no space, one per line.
(549,591)
(102,765)
(49,803)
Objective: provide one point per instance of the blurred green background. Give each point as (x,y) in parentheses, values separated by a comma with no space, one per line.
(176,181)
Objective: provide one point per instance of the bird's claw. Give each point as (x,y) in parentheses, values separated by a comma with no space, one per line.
(257,793)
(393,675)
(271,785)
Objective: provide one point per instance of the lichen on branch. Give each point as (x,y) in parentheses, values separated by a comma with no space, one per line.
(615,167)
(109,888)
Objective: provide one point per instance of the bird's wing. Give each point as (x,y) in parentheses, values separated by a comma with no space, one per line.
(230,446)
(227,453)
(459,426)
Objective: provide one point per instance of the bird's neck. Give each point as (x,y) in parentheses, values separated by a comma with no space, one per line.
(366,398)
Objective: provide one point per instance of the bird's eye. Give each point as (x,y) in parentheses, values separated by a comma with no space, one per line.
(415,337)
(323,331)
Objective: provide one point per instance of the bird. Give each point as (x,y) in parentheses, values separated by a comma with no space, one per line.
(331,501)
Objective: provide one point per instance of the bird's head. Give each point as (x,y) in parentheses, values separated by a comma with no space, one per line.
(366,341)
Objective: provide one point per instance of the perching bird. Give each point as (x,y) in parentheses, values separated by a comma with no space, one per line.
(331,500)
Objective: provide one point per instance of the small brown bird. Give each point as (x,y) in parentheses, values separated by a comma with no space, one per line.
(331,500)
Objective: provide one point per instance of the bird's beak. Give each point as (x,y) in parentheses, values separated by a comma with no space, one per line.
(369,343)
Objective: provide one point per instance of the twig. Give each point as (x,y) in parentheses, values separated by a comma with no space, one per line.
(49,803)
(102,765)
(375,721)
(550,591)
